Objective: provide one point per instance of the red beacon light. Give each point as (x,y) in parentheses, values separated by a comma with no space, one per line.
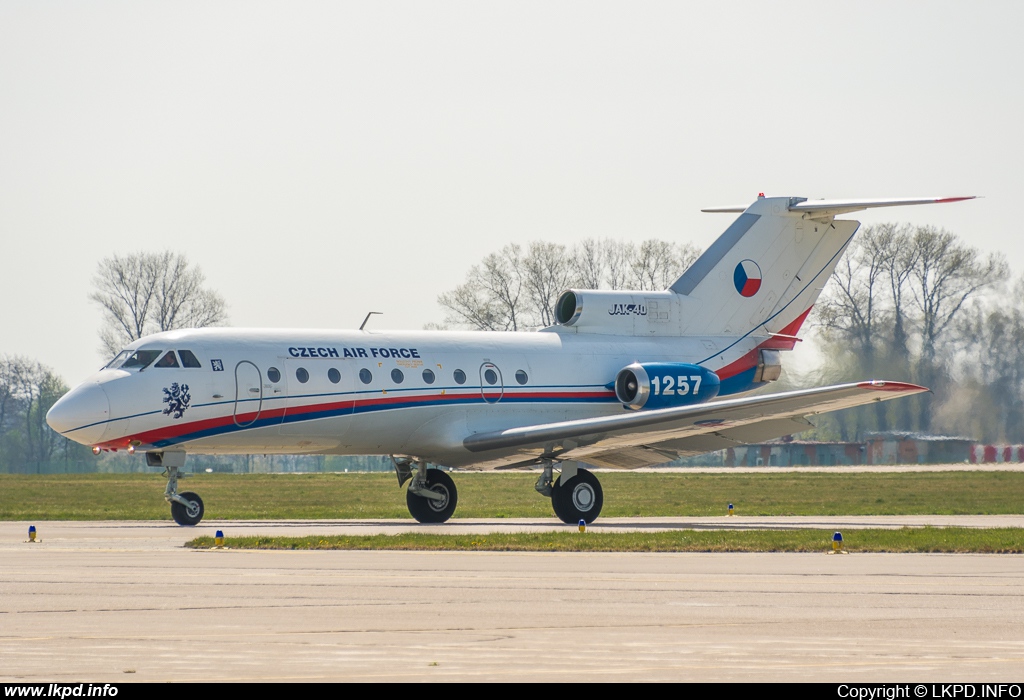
(760,195)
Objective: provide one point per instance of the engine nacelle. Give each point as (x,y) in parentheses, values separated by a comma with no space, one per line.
(665,384)
(622,312)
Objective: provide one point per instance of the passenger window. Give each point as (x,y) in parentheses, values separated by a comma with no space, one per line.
(428,376)
(302,375)
(491,377)
(365,376)
(188,360)
(168,360)
(396,376)
(334,375)
(274,374)
(140,359)
(521,377)
(459,376)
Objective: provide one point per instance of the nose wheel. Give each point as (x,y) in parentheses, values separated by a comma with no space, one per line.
(186,507)
(189,510)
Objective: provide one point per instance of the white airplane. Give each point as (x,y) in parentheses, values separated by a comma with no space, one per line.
(625,379)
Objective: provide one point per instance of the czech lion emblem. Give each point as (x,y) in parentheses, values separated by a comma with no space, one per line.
(177,399)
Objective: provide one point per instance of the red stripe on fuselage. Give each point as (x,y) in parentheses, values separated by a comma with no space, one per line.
(741,365)
(347,407)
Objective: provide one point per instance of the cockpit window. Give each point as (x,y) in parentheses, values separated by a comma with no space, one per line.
(189,360)
(168,360)
(140,359)
(118,360)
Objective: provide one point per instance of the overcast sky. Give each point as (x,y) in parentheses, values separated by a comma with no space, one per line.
(321,160)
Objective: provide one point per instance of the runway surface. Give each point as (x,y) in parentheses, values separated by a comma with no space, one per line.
(125,602)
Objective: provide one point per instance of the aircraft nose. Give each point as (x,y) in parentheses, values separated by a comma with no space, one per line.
(81,414)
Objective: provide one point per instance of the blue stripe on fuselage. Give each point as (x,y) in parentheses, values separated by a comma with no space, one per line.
(372,408)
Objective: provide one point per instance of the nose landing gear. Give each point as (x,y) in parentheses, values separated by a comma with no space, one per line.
(186,507)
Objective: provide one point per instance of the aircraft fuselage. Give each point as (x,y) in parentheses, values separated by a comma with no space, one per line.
(357,392)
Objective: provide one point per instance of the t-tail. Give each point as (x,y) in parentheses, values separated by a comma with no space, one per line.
(759,278)
(763,275)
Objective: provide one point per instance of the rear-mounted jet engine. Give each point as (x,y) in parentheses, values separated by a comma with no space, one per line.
(665,384)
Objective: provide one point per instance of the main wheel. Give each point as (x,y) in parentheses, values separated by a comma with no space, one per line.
(190,515)
(580,498)
(429,510)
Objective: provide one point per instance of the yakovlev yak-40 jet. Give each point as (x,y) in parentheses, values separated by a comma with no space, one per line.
(625,379)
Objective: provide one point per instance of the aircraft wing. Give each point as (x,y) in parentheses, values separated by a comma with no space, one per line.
(644,438)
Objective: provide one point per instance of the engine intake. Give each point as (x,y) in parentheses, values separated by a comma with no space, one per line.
(665,384)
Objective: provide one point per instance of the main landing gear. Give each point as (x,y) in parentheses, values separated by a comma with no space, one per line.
(575,495)
(431,496)
(186,507)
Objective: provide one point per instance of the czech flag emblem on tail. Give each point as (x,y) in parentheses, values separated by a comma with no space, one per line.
(747,278)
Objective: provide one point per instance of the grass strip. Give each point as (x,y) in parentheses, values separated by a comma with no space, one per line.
(952,540)
(511,495)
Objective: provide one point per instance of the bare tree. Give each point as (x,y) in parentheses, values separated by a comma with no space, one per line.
(617,260)
(856,312)
(990,400)
(491,297)
(657,264)
(27,391)
(8,389)
(858,306)
(898,241)
(589,263)
(548,272)
(896,304)
(145,293)
(510,291)
(945,275)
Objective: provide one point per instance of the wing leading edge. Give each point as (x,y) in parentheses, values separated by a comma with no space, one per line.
(653,437)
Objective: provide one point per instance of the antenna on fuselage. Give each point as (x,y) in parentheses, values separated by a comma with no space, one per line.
(372,313)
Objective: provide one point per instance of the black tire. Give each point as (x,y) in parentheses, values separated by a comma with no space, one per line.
(581,498)
(188,516)
(427,510)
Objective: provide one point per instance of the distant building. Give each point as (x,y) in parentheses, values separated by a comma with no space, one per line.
(914,448)
(877,448)
(997,453)
(794,453)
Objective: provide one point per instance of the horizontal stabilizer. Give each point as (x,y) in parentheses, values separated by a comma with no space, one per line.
(737,209)
(834,207)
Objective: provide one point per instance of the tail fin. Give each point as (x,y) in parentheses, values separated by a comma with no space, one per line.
(764,273)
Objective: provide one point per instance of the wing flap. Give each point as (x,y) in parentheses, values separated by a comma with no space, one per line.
(631,458)
(767,430)
(662,452)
